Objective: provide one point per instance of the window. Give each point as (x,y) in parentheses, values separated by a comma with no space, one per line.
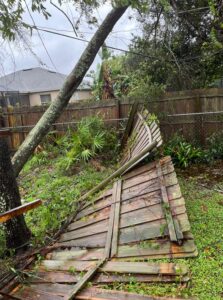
(45,99)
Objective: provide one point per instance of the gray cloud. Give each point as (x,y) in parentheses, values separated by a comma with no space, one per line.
(63,51)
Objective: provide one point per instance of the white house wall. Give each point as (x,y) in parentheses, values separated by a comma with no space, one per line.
(79,95)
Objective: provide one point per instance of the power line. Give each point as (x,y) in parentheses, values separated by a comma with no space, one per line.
(84,40)
(44,46)
(119,49)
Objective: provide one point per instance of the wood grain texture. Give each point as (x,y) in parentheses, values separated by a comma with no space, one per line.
(4,217)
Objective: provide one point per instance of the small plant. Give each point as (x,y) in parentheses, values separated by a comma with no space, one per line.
(72,270)
(215,146)
(90,139)
(182,152)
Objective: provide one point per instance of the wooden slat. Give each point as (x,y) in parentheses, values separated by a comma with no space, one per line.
(114,245)
(93,293)
(111,222)
(129,123)
(100,294)
(90,230)
(67,277)
(76,253)
(43,292)
(90,219)
(83,281)
(4,217)
(166,206)
(97,241)
(116,267)
(155,247)
(142,133)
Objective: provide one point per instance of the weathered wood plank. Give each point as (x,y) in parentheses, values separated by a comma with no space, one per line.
(4,217)
(142,232)
(83,281)
(28,293)
(147,175)
(154,248)
(114,245)
(129,123)
(97,241)
(90,219)
(111,222)
(144,268)
(116,267)
(67,277)
(77,253)
(89,230)
(94,207)
(99,294)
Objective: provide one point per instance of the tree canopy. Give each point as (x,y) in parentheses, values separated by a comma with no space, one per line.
(180,48)
(182,42)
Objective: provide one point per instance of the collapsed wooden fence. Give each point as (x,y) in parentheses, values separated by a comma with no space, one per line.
(113,237)
(196,114)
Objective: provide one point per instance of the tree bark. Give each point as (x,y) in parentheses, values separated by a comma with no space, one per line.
(70,85)
(16,230)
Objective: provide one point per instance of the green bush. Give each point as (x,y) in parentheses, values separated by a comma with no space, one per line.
(215,146)
(182,152)
(90,139)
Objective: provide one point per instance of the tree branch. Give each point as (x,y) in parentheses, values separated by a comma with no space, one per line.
(63,12)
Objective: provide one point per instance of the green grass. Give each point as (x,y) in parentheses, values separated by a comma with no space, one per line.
(59,192)
(205,211)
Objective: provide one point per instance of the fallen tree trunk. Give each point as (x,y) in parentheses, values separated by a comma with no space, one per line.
(69,87)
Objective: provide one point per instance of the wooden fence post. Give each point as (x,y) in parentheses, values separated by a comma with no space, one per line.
(198,121)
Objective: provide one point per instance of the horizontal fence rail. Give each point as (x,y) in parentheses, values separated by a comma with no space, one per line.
(194,114)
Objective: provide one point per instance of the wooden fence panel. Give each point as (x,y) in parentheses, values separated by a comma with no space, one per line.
(192,126)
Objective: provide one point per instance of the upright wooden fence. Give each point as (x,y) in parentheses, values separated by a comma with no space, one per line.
(196,114)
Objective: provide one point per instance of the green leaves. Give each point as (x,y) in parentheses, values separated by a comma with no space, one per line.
(85,143)
(182,152)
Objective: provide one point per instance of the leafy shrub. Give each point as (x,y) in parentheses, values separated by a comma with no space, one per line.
(182,152)
(86,142)
(215,146)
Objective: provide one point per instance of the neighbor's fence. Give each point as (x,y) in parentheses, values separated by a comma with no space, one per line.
(20,120)
(195,127)
(196,114)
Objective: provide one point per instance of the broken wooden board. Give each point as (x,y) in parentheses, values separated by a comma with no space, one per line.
(58,292)
(17,211)
(141,131)
(150,196)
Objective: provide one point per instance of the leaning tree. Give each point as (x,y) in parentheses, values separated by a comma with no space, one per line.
(17,232)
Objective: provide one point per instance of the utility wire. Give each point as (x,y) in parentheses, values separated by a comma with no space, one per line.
(119,49)
(84,40)
(198,9)
(42,42)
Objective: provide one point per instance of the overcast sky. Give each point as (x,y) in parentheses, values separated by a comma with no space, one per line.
(63,51)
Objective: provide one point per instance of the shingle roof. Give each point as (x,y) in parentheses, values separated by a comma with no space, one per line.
(35,80)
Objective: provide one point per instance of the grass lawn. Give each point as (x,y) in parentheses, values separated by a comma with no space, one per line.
(59,191)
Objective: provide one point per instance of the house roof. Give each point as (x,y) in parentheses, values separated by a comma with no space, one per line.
(35,80)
